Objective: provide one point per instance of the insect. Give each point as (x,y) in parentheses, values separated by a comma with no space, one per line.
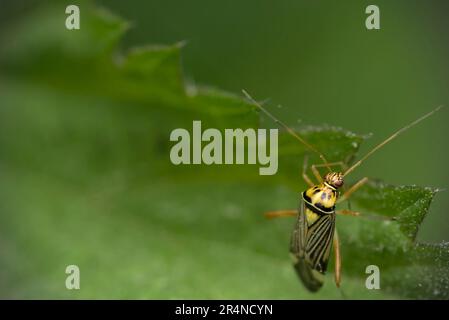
(314,232)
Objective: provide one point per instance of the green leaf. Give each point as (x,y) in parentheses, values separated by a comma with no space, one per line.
(86,179)
(407,204)
(409,268)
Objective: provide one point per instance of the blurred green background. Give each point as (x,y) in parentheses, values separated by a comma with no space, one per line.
(134,230)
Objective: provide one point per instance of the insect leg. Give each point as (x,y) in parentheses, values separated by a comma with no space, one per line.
(353,189)
(352,213)
(316,173)
(281,213)
(345,212)
(337,259)
(304,173)
(346,196)
(332,164)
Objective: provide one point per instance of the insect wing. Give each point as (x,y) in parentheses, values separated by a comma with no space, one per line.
(311,246)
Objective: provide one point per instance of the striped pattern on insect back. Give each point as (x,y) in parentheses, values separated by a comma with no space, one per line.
(319,236)
(310,245)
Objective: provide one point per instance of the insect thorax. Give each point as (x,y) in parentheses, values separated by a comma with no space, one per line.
(320,198)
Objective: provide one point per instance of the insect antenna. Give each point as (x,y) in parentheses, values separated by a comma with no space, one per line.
(289,130)
(394,135)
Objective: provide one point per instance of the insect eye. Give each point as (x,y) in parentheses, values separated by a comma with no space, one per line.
(338,183)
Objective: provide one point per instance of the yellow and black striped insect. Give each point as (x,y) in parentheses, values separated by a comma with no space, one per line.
(314,231)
